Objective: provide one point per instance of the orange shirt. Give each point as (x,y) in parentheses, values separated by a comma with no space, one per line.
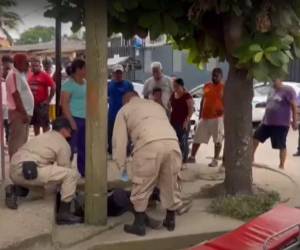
(213,105)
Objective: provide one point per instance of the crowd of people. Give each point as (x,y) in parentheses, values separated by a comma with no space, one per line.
(46,158)
(153,129)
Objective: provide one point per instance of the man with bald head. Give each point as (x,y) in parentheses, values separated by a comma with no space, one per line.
(156,157)
(20,103)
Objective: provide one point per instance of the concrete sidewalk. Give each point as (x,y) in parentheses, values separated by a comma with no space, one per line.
(32,225)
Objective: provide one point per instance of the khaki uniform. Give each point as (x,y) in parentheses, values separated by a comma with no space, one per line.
(156,154)
(52,154)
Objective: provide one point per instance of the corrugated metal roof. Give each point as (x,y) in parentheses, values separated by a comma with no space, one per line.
(67,45)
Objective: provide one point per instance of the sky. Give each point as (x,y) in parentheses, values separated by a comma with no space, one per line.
(32,14)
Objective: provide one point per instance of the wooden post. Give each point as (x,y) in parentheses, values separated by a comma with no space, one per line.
(57,65)
(96,140)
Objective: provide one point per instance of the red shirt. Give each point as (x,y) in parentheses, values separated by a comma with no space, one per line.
(39,84)
(180,109)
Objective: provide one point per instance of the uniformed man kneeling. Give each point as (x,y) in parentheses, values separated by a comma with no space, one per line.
(156,158)
(45,159)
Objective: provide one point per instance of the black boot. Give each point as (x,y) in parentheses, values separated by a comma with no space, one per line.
(169,222)
(21,191)
(64,215)
(11,197)
(139,225)
(79,207)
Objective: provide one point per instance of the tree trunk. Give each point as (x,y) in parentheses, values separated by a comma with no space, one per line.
(238,96)
(96,141)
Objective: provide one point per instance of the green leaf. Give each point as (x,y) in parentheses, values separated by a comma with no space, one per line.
(287,39)
(271,49)
(296,51)
(170,25)
(283,57)
(224,6)
(255,48)
(130,4)
(273,58)
(118,6)
(201,65)
(261,71)
(258,57)
(148,19)
(236,9)
(248,3)
(285,18)
(191,56)
(278,58)
(176,12)
(289,54)
(156,28)
(150,5)
(285,68)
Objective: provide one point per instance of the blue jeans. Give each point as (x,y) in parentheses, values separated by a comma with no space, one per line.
(78,144)
(182,136)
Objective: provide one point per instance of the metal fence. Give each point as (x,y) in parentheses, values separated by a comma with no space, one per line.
(294,74)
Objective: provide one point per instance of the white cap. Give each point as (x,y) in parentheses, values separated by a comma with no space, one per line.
(118,67)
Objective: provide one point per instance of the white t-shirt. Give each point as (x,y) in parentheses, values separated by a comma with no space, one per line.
(165,84)
(16,81)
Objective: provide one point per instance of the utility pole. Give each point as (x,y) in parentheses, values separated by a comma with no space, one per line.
(57,63)
(96,120)
(2,159)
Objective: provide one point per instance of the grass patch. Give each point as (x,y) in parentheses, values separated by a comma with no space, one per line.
(244,207)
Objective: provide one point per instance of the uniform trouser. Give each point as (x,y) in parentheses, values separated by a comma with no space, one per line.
(66,177)
(156,164)
(18,133)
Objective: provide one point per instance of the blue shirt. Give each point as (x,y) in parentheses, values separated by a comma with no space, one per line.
(116,90)
(78,97)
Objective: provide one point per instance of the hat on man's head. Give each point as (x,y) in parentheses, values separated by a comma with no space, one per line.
(60,123)
(118,67)
(19,59)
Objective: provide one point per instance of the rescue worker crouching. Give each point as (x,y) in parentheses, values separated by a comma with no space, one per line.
(42,160)
(156,158)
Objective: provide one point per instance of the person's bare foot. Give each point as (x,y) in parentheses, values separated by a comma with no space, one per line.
(281,167)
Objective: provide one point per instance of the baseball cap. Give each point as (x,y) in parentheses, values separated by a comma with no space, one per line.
(118,67)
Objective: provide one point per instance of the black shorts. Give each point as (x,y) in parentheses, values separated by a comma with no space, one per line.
(40,115)
(277,134)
